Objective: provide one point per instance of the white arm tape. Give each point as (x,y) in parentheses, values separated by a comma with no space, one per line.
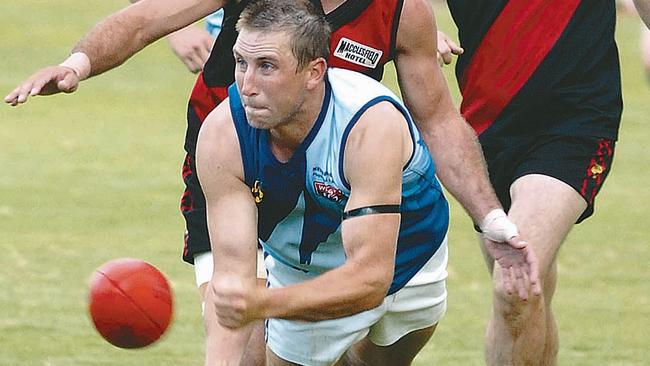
(79,63)
(497,227)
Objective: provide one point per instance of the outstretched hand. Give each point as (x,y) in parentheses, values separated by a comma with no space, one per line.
(518,263)
(47,81)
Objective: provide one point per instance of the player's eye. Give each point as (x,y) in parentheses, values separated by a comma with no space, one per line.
(241,64)
(267,67)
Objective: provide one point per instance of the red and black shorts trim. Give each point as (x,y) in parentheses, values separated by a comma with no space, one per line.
(581,162)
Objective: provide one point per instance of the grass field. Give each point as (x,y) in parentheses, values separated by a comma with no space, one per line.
(92,176)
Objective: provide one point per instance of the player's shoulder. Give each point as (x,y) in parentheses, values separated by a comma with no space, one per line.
(416,24)
(217,137)
(219,121)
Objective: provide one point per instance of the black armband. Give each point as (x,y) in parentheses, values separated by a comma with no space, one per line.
(371,210)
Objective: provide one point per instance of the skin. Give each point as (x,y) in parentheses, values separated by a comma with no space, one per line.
(643,8)
(113,40)
(192,46)
(525,332)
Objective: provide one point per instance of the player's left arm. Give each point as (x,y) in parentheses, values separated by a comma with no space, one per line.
(643,8)
(376,150)
(451,141)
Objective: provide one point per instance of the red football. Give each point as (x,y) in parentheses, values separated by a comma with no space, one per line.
(130,302)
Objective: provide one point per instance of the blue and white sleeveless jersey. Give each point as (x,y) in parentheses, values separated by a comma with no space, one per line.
(300,202)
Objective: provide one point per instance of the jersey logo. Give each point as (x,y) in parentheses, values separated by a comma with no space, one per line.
(330,192)
(357,53)
(258,195)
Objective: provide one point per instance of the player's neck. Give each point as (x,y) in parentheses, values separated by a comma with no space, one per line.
(286,138)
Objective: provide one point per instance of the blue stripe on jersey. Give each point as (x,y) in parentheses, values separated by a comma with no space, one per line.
(319,224)
(282,183)
(423,226)
(276,203)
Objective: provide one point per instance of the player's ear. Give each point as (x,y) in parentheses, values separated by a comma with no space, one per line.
(316,70)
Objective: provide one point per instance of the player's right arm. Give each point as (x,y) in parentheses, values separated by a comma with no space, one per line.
(232,224)
(191,45)
(112,41)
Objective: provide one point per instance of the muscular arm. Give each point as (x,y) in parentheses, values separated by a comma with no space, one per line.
(191,45)
(111,42)
(450,139)
(233,232)
(643,8)
(378,139)
(121,35)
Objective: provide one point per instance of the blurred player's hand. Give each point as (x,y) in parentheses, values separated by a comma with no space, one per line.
(192,46)
(518,265)
(446,49)
(235,303)
(47,81)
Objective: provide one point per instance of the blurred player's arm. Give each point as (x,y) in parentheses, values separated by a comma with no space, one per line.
(112,41)
(191,45)
(451,141)
(643,8)
(233,235)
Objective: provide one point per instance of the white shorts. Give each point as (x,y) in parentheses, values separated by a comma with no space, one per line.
(204,266)
(420,304)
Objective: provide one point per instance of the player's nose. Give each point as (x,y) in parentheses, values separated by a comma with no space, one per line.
(248,86)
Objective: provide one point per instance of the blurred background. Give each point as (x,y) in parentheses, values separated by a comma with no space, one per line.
(93,176)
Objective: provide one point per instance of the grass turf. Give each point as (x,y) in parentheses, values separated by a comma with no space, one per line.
(96,175)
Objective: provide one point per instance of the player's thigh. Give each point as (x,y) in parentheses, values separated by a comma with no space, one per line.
(273,360)
(544,209)
(549,183)
(400,353)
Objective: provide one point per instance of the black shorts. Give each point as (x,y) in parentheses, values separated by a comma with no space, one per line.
(581,162)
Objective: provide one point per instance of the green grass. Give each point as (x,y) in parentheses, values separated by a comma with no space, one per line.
(95,175)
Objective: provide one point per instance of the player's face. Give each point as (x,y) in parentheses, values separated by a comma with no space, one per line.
(272,91)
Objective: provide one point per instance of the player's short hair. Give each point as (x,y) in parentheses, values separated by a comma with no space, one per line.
(308,31)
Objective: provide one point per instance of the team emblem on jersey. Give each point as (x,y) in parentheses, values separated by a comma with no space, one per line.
(258,195)
(357,53)
(596,169)
(329,191)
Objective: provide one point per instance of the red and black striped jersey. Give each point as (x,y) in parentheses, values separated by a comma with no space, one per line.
(535,67)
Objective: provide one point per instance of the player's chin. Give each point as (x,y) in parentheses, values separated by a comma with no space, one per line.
(259,119)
